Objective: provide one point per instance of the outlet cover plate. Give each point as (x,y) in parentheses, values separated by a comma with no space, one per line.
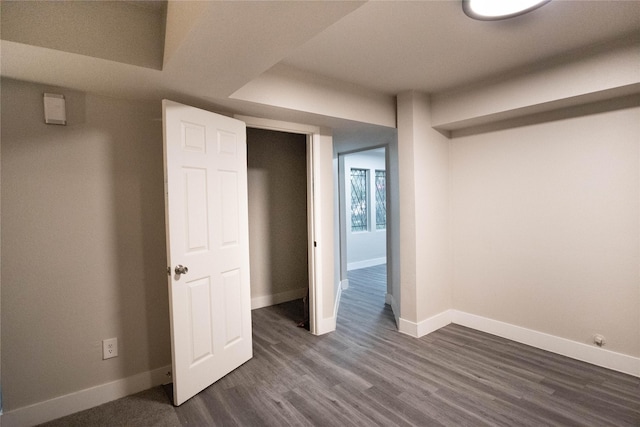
(109,348)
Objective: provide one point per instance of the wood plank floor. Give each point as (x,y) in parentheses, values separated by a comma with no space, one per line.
(366,373)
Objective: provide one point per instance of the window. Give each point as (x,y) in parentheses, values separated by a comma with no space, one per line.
(381,200)
(359,200)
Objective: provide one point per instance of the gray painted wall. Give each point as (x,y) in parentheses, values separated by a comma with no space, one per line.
(83,243)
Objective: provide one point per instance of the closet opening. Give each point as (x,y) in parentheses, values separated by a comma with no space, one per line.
(277,180)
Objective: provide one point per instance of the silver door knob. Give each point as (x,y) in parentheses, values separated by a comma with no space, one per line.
(181,269)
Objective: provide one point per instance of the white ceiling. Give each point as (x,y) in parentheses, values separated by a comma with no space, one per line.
(383,46)
(391,46)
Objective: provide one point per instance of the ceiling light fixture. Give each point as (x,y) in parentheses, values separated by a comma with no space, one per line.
(491,10)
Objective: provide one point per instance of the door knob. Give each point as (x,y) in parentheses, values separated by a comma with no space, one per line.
(181,269)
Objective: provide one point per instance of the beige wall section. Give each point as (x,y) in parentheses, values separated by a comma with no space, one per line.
(546,231)
(407,184)
(431,176)
(423,155)
(83,243)
(114,30)
(277,179)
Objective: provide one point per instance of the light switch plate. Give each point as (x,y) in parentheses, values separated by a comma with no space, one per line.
(54,109)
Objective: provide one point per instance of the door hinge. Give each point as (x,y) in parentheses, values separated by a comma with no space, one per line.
(169,270)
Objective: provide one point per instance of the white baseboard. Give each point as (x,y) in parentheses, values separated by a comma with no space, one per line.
(279,298)
(344,284)
(408,327)
(84,399)
(573,349)
(366,263)
(426,326)
(328,324)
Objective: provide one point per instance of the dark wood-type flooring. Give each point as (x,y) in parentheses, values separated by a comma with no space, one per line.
(366,373)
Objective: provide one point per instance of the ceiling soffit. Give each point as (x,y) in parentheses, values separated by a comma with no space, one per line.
(114,30)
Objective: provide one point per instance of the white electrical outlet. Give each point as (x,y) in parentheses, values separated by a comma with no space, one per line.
(109,348)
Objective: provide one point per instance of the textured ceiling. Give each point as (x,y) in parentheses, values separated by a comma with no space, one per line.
(433,46)
(213,49)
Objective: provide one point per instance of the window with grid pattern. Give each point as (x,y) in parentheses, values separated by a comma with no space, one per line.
(359,202)
(381,200)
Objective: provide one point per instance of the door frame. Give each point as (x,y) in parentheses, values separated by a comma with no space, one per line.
(312,134)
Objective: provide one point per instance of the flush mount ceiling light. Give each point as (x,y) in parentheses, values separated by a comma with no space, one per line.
(491,10)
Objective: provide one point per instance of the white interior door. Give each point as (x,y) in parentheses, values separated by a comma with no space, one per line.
(207,246)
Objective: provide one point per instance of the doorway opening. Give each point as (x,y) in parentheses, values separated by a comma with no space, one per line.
(311,136)
(363,217)
(278,221)
(365,208)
